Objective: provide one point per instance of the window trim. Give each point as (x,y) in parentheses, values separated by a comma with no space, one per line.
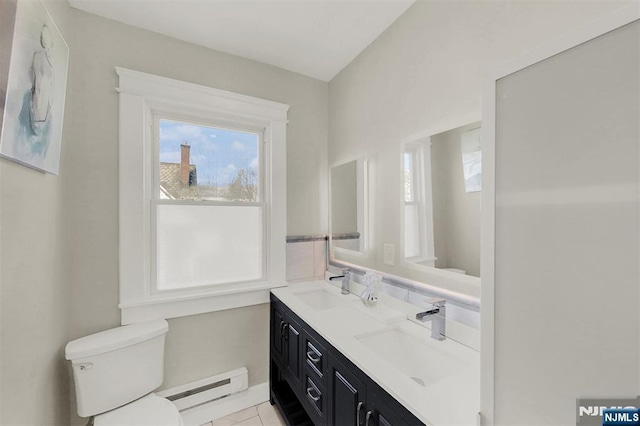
(141,97)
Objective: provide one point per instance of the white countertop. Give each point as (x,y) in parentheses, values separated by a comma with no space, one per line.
(451,399)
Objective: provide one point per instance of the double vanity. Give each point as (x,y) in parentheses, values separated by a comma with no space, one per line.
(336,361)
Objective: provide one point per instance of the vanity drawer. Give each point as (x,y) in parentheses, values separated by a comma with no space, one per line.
(315,357)
(315,398)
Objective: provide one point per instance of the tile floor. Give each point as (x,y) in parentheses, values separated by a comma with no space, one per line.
(259,415)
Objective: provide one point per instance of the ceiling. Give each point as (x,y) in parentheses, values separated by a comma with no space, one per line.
(317,38)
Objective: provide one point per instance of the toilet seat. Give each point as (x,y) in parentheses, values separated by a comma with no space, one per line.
(150,410)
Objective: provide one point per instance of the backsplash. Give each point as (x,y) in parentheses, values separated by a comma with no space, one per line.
(306,257)
(307,260)
(418,297)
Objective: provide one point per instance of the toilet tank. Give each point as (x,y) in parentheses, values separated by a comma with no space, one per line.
(117,366)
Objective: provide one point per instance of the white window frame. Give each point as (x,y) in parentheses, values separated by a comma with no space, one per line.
(144,97)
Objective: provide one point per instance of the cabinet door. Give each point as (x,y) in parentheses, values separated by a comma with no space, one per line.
(277,329)
(380,413)
(293,349)
(347,397)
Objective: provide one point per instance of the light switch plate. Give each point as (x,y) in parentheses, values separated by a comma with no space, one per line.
(389,254)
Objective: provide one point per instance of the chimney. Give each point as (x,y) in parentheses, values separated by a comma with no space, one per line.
(185,169)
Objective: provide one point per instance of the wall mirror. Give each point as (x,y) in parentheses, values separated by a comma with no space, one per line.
(441,201)
(347,205)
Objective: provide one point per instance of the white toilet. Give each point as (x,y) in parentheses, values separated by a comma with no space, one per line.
(115,373)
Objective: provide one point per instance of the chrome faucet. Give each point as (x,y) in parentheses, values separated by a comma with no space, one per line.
(437,316)
(346,281)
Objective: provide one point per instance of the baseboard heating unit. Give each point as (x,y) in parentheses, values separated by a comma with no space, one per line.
(208,389)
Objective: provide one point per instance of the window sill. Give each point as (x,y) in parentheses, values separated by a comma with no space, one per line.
(165,307)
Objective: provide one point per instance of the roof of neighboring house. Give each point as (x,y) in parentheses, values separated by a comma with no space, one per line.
(170,185)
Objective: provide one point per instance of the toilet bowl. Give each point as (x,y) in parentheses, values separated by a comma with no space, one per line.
(115,373)
(150,410)
(456,270)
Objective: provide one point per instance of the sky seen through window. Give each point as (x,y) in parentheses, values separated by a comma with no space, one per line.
(218,154)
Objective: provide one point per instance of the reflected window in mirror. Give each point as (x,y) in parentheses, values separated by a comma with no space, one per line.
(418,212)
(472,160)
(441,205)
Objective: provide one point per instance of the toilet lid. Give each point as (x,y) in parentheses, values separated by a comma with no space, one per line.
(150,410)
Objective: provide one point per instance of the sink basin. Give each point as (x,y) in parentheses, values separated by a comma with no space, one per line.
(422,361)
(320,299)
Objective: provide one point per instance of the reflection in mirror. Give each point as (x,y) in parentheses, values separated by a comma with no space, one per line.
(418,206)
(347,206)
(442,201)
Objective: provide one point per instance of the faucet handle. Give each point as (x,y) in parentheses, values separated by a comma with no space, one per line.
(344,271)
(438,302)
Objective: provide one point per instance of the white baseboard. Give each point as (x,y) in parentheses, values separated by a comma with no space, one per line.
(201,414)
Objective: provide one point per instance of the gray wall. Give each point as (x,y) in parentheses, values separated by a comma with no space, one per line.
(34,295)
(35,299)
(456,213)
(59,234)
(203,345)
(426,72)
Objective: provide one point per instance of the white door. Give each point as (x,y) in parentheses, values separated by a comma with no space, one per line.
(560,298)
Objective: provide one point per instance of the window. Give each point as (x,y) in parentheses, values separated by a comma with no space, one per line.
(417,204)
(209,179)
(202,198)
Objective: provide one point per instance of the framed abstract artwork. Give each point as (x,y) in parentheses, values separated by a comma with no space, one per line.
(35,90)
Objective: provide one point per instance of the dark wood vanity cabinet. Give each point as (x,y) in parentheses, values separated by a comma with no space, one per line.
(315,384)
